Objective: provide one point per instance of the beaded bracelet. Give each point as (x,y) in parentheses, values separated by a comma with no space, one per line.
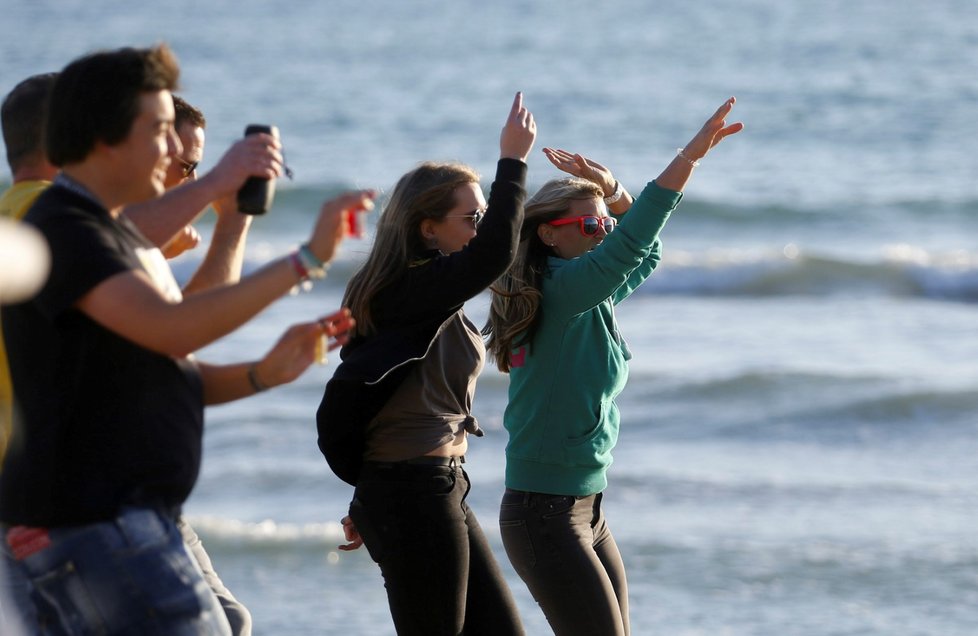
(614,196)
(315,268)
(681,153)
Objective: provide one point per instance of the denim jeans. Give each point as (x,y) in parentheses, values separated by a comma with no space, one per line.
(438,568)
(15,597)
(563,550)
(129,576)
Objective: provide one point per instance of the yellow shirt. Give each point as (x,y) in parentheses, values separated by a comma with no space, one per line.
(14,204)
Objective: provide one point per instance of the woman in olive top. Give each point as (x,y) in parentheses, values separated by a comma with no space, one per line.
(396,416)
(552,328)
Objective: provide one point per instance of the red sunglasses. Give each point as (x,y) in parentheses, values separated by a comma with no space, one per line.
(589,223)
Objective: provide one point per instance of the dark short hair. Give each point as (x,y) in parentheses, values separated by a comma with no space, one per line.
(22,114)
(96,98)
(187,113)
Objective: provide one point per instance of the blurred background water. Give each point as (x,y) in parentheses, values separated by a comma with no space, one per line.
(799,432)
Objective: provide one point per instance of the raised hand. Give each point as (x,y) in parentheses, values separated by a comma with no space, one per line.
(581,166)
(518,133)
(713,132)
(301,345)
(256,155)
(186,239)
(332,227)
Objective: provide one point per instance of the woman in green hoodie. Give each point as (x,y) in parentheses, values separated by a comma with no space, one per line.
(552,328)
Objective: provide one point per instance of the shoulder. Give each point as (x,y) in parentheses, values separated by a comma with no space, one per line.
(17,199)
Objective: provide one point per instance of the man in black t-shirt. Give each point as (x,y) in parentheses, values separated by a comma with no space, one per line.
(106,442)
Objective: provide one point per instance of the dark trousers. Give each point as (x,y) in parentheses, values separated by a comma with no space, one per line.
(563,550)
(438,568)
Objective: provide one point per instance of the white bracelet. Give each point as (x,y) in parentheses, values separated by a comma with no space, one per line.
(679,151)
(617,194)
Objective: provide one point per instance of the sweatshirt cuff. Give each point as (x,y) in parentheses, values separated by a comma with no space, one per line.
(511,170)
(656,193)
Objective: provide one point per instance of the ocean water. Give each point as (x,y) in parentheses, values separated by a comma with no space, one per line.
(800,428)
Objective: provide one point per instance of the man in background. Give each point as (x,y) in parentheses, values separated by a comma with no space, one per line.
(22,117)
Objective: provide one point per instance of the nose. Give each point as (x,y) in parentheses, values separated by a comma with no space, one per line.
(173,145)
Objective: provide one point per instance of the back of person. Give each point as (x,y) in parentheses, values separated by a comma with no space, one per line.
(22,116)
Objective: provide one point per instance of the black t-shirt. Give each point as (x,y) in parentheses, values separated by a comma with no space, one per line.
(100,422)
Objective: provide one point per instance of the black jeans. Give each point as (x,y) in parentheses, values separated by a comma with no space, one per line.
(563,550)
(438,568)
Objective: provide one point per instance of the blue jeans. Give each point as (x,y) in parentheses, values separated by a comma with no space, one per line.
(15,593)
(129,576)
(439,571)
(563,550)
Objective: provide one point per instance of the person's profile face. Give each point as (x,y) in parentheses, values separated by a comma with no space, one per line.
(458,227)
(144,156)
(570,240)
(184,165)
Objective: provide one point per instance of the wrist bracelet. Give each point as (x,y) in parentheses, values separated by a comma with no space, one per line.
(617,194)
(298,266)
(256,384)
(681,153)
(314,267)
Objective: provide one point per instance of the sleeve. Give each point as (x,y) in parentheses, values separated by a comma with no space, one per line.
(83,254)
(638,276)
(584,282)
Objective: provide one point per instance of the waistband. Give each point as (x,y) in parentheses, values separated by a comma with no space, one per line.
(425,460)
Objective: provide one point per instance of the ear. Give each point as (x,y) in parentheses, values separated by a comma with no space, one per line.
(428,229)
(545,233)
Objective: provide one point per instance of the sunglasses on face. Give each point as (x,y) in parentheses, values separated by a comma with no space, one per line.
(588,224)
(475,215)
(187,167)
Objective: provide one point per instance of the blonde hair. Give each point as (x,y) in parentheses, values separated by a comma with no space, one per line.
(427,192)
(515,310)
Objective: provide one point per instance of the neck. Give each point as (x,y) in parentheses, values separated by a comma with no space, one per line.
(38,171)
(92,177)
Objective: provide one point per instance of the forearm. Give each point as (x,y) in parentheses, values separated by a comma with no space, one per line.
(225,256)
(676,174)
(132,306)
(228,382)
(160,219)
(211,314)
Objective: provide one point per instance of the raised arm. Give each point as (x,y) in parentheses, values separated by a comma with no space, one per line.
(161,219)
(580,166)
(295,351)
(448,281)
(225,255)
(130,304)
(715,130)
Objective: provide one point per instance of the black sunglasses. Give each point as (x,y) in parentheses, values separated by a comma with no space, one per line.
(475,215)
(188,167)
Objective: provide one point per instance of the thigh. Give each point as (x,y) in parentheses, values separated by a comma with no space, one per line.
(551,542)
(607,550)
(490,607)
(129,576)
(17,612)
(413,525)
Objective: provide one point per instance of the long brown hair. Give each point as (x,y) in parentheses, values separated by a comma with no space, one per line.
(427,192)
(515,311)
